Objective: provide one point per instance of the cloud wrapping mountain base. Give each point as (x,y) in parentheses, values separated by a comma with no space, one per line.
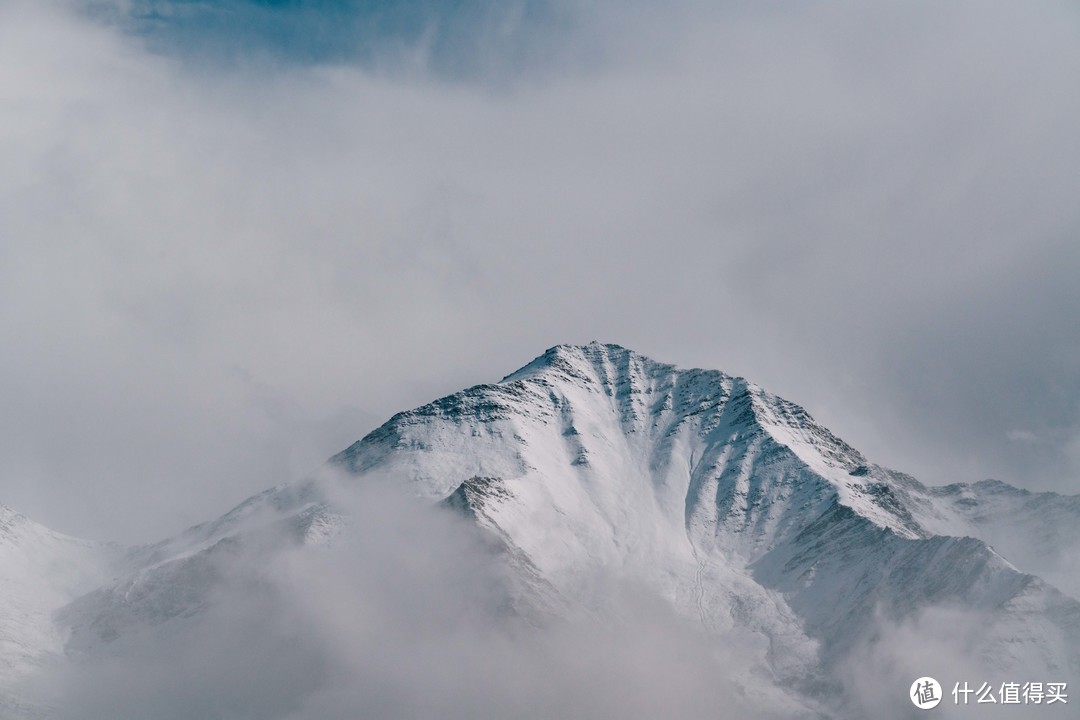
(405,614)
(596,535)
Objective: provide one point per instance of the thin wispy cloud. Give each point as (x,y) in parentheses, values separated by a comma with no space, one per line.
(223,261)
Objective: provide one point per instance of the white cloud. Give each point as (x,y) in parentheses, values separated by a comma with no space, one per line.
(868,209)
(405,616)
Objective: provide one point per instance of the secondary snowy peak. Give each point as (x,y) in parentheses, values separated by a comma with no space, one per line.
(1038,531)
(16,527)
(40,571)
(35,558)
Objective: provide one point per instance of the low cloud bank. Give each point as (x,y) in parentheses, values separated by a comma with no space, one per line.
(407,613)
(213,276)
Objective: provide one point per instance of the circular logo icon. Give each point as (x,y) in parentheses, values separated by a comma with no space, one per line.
(925,693)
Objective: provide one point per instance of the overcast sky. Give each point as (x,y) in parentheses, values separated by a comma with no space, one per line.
(235,235)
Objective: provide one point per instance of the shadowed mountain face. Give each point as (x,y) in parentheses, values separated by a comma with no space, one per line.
(731,504)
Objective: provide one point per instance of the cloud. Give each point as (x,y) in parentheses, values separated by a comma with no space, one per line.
(406,615)
(409,610)
(215,273)
(959,647)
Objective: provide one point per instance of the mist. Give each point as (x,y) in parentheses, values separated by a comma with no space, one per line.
(237,236)
(225,256)
(408,612)
(957,645)
(408,609)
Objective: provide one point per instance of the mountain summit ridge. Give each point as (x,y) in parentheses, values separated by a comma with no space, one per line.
(645,395)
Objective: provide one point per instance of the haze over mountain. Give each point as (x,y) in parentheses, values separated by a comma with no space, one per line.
(239,234)
(590,475)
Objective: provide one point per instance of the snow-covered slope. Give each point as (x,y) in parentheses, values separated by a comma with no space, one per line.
(732,503)
(1039,532)
(40,572)
(178,577)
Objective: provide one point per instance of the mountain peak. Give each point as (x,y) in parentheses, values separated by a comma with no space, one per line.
(594,360)
(621,371)
(599,414)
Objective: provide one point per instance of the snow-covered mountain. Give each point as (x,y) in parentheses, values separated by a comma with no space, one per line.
(41,571)
(728,501)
